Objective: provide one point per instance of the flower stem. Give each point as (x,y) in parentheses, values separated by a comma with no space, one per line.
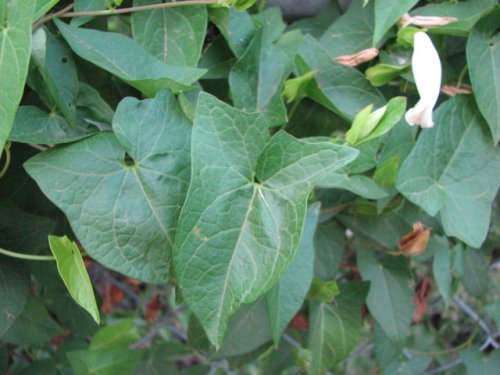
(26,256)
(7,159)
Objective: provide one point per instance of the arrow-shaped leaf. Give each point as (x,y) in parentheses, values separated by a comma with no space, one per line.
(242,220)
(122,193)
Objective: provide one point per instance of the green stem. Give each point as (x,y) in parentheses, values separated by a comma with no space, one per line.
(109,12)
(26,256)
(262,5)
(7,159)
(461,76)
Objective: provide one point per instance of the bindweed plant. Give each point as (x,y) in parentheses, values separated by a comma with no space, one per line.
(206,187)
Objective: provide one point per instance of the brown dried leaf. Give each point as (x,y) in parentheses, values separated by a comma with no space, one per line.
(424,21)
(415,242)
(358,58)
(421,299)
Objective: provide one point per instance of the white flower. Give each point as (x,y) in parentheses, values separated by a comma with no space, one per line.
(426,69)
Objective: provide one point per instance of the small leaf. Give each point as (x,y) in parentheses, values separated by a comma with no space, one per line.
(323,291)
(350,33)
(128,60)
(256,79)
(387,13)
(483,57)
(287,296)
(340,88)
(467,12)
(387,172)
(14,290)
(335,328)
(390,299)
(382,74)
(15,46)
(72,270)
(57,68)
(295,89)
(478,363)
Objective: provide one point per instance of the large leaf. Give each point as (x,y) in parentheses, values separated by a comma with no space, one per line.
(15,47)
(173,35)
(341,88)
(387,13)
(257,77)
(483,57)
(122,193)
(128,60)
(453,170)
(57,68)
(335,327)
(390,299)
(352,32)
(242,220)
(14,290)
(287,296)
(72,270)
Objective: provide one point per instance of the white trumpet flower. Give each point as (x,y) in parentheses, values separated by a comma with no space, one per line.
(426,69)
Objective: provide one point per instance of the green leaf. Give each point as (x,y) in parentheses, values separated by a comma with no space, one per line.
(256,79)
(173,35)
(357,184)
(387,172)
(120,334)
(323,291)
(475,279)
(387,13)
(271,23)
(42,7)
(32,125)
(88,5)
(55,63)
(390,299)
(352,32)
(249,193)
(295,89)
(493,311)
(483,58)
(467,12)
(128,60)
(34,327)
(335,328)
(14,290)
(247,330)
(236,27)
(478,363)
(112,361)
(287,296)
(122,193)
(442,267)
(382,74)
(329,241)
(74,274)
(341,88)
(15,47)
(453,170)
(408,366)
(218,59)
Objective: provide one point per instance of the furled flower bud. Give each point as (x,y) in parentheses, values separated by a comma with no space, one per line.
(426,69)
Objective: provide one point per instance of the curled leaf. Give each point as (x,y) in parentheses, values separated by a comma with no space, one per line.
(415,242)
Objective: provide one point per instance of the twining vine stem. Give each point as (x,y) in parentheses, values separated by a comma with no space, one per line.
(66,12)
(13,254)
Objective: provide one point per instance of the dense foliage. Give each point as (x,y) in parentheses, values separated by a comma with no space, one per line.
(227,187)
